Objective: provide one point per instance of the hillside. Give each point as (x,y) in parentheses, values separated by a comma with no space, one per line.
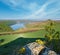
(12,42)
(5,24)
(31,25)
(39,25)
(5,28)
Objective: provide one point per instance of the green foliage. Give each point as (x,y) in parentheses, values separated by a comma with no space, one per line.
(1,41)
(52,37)
(5,25)
(4,28)
(22,50)
(36,34)
(50,31)
(40,42)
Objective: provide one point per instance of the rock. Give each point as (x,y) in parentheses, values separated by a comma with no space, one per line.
(52,53)
(37,49)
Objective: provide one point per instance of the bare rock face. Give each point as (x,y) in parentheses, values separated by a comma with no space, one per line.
(37,49)
(51,53)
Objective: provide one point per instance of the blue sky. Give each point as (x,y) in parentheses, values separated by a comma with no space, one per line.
(29,9)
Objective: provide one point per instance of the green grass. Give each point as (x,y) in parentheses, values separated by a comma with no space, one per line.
(36,34)
(57,26)
(9,48)
(9,38)
(12,42)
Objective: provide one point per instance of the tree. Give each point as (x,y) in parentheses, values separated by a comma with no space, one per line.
(52,37)
(49,31)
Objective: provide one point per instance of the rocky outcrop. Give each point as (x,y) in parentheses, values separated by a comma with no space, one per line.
(37,49)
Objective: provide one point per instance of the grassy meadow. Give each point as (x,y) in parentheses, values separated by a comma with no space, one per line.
(9,38)
(13,42)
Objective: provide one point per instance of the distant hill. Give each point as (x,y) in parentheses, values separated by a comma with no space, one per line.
(5,24)
(5,28)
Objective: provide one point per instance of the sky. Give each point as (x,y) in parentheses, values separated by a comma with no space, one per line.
(29,9)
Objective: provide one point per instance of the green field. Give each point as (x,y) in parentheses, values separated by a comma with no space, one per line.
(36,34)
(9,38)
(15,41)
(11,42)
(57,26)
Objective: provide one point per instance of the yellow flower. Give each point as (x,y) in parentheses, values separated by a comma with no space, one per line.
(40,42)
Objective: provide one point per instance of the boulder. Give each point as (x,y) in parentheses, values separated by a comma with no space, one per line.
(37,49)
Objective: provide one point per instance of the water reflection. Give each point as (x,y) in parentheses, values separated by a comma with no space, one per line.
(17,26)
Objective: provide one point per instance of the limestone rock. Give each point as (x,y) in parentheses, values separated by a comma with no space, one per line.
(37,49)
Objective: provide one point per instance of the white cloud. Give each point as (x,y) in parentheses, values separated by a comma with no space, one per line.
(13,4)
(36,11)
(33,6)
(17,4)
(41,13)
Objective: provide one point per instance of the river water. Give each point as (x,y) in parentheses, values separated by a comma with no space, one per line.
(18,26)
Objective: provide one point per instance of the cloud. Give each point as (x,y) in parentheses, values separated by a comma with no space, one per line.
(39,11)
(13,4)
(32,6)
(35,11)
(18,4)
(42,13)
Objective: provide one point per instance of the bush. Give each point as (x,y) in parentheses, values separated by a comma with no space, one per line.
(52,37)
(40,42)
(21,51)
(1,41)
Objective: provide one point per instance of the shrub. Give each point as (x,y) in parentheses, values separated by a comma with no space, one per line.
(21,51)
(52,37)
(1,41)
(40,42)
